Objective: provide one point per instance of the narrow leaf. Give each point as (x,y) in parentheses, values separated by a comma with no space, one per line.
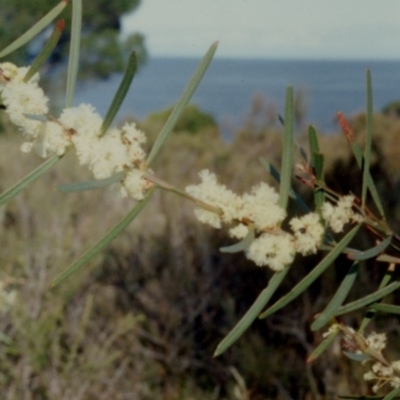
(388,259)
(387,308)
(313,275)
(90,185)
(104,242)
(46,51)
(287,152)
(370,313)
(273,171)
(252,312)
(368,142)
(359,158)
(121,93)
(27,180)
(313,140)
(242,245)
(365,301)
(303,153)
(73,62)
(372,252)
(319,194)
(315,152)
(180,105)
(32,32)
(375,195)
(276,175)
(323,346)
(337,299)
(356,357)
(36,117)
(392,395)
(317,162)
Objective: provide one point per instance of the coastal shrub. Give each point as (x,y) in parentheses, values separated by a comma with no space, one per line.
(393,109)
(191,120)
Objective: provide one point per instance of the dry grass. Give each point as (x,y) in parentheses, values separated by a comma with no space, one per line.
(141,321)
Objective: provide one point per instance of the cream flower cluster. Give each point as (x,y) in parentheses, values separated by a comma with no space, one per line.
(259,210)
(369,350)
(118,150)
(22,99)
(382,372)
(338,216)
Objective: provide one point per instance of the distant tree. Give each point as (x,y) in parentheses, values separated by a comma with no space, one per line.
(103,52)
(392,109)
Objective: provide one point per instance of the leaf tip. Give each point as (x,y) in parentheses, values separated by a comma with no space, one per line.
(217,352)
(60,25)
(54,283)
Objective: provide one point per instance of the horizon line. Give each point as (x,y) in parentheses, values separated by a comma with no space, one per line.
(280,58)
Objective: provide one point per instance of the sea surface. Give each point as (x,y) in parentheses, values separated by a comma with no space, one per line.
(229,86)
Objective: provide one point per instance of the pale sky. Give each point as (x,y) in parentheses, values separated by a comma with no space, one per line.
(270,28)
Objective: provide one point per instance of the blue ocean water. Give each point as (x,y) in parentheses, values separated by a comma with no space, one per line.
(229,86)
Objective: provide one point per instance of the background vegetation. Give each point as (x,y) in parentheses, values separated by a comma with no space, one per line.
(142,320)
(102,50)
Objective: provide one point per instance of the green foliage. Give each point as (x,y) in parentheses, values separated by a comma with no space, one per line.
(74,52)
(393,109)
(120,94)
(287,150)
(107,54)
(134,42)
(179,108)
(192,120)
(103,53)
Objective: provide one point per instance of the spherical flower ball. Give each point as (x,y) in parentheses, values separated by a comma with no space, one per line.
(135,185)
(261,207)
(22,98)
(216,195)
(83,125)
(341,214)
(273,250)
(109,155)
(84,120)
(376,341)
(308,233)
(133,139)
(51,140)
(10,72)
(239,231)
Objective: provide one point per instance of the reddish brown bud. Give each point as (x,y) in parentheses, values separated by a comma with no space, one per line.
(60,25)
(344,124)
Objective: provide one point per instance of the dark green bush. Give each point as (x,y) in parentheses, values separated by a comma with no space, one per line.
(192,120)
